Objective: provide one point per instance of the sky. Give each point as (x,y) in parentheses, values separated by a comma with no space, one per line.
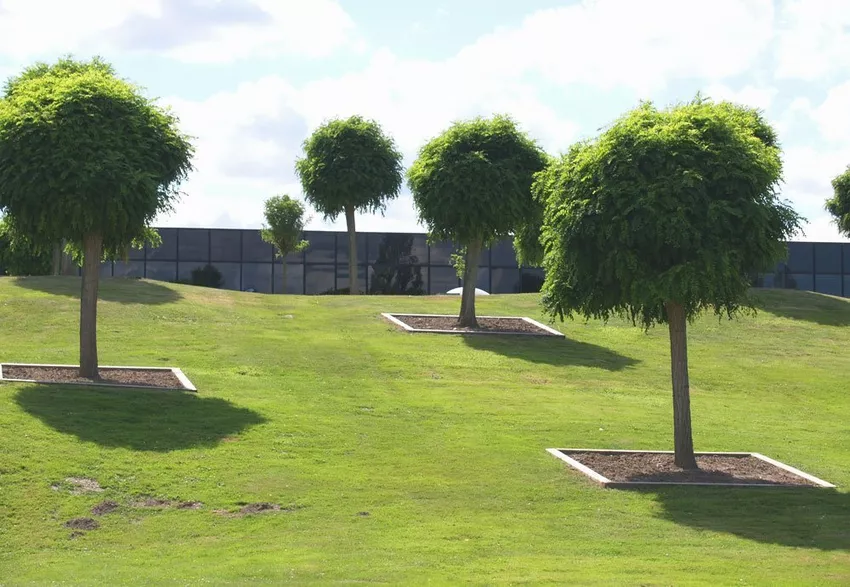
(251,79)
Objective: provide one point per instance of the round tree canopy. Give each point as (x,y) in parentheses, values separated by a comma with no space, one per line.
(83,152)
(474,180)
(675,205)
(839,204)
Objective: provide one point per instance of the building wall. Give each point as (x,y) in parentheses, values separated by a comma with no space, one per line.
(405,264)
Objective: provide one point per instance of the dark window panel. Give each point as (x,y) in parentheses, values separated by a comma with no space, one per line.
(134,254)
(225,246)
(257,276)
(167,251)
(342,247)
(503,254)
(194,245)
(800,258)
(828,284)
(504,281)
(483,279)
(321,249)
(294,279)
(185,268)
(342,277)
(129,269)
(398,249)
(846,286)
(291,258)
(803,281)
(161,270)
(106,269)
(441,253)
(230,273)
(846,258)
(828,258)
(442,279)
(255,249)
(531,280)
(398,279)
(319,279)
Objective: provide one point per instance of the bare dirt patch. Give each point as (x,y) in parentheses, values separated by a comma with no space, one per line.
(160,379)
(105,507)
(82,524)
(189,505)
(151,502)
(78,485)
(259,508)
(486,325)
(660,468)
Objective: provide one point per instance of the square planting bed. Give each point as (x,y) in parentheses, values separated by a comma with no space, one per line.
(447,324)
(642,468)
(165,378)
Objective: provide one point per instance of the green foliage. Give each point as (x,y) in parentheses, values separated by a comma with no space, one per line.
(285,217)
(149,236)
(474,180)
(350,162)
(839,204)
(19,255)
(667,205)
(83,152)
(207,276)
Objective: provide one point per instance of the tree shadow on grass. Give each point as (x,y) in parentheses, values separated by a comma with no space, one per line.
(798,517)
(156,421)
(112,289)
(804,305)
(551,351)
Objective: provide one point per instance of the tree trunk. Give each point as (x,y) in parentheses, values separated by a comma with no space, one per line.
(683,439)
(353,287)
(467,317)
(57,259)
(283,273)
(92,250)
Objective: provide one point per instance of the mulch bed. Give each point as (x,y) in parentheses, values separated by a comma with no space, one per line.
(492,325)
(135,377)
(660,468)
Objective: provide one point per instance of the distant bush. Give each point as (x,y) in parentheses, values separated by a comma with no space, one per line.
(206,276)
(19,256)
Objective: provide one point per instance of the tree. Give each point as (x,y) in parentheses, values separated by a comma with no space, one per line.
(662,217)
(472,185)
(839,204)
(285,217)
(350,166)
(86,158)
(19,255)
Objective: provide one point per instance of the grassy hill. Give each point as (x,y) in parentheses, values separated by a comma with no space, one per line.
(401,458)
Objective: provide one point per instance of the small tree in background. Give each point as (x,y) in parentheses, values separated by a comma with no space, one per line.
(472,185)
(285,218)
(85,158)
(662,216)
(839,204)
(350,166)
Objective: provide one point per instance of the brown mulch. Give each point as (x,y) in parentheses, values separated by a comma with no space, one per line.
(82,524)
(134,377)
(659,467)
(490,325)
(104,507)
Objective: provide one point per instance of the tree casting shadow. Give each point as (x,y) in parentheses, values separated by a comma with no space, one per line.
(157,421)
(804,518)
(804,305)
(552,351)
(112,289)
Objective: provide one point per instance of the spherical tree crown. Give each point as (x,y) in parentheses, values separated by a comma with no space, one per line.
(839,204)
(349,162)
(83,152)
(474,180)
(677,205)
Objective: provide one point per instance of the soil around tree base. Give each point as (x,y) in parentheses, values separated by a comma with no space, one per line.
(120,376)
(486,325)
(722,469)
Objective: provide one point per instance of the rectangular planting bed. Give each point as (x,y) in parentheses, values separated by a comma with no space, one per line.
(642,468)
(164,378)
(447,324)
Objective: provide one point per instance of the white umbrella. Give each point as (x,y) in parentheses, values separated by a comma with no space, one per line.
(459,291)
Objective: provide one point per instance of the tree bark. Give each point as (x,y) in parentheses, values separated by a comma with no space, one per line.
(283,273)
(92,250)
(57,259)
(467,317)
(353,288)
(683,438)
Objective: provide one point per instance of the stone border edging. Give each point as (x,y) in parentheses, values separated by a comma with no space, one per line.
(560,453)
(181,377)
(547,331)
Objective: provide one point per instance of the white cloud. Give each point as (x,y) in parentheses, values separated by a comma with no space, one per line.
(813,39)
(756,97)
(833,116)
(188,30)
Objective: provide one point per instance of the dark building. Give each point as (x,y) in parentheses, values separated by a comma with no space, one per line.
(402,263)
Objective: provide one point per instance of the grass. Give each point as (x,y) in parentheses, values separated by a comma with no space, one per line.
(316,404)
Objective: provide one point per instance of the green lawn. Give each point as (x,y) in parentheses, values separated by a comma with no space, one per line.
(318,405)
